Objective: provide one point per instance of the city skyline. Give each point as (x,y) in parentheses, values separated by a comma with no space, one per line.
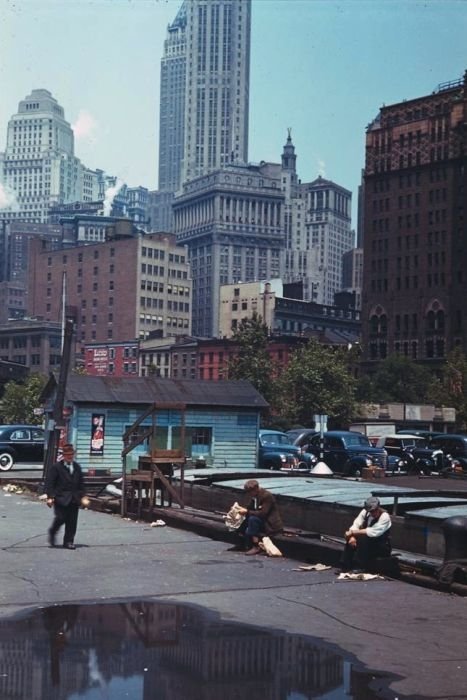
(325,76)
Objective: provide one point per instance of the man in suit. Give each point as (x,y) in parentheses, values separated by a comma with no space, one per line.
(262,516)
(65,492)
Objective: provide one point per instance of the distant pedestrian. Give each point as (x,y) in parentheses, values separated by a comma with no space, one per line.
(262,516)
(65,492)
(367,538)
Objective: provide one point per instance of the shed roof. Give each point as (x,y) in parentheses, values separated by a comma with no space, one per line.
(147,390)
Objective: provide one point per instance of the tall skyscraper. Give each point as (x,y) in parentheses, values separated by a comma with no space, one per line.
(415,252)
(232,223)
(39,166)
(317,230)
(204,99)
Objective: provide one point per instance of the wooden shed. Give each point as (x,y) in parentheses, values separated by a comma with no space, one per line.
(221,418)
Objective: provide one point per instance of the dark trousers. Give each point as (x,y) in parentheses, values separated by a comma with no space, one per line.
(68,516)
(251,527)
(367,550)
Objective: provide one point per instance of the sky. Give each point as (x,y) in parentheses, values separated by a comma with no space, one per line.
(321,67)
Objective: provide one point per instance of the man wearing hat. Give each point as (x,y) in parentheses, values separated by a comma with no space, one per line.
(367,538)
(262,516)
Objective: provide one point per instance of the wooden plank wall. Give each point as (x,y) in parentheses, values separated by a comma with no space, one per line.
(234,435)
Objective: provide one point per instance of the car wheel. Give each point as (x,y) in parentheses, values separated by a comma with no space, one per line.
(272,467)
(6,461)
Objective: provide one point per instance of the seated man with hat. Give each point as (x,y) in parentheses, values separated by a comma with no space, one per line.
(367,538)
(262,516)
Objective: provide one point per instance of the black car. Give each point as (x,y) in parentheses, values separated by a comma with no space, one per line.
(444,453)
(20,443)
(348,452)
(301,436)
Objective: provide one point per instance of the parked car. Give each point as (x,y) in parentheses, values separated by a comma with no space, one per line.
(400,447)
(427,434)
(275,451)
(20,443)
(301,436)
(446,453)
(348,452)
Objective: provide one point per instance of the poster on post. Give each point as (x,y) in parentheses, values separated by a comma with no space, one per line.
(97,434)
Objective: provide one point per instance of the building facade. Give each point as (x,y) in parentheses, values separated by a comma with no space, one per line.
(172,104)
(116,291)
(232,222)
(36,344)
(39,166)
(415,238)
(286,316)
(352,274)
(204,98)
(317,227)
(16,239)
(111,359)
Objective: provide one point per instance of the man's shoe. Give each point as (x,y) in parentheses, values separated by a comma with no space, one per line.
(69,545)
(253,550)
(51,539)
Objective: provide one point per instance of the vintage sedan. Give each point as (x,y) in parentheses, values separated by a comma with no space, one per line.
(20,443)
(276,452)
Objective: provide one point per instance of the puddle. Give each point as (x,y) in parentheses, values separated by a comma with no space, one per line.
(161,651)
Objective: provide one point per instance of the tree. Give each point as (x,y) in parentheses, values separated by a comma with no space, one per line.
(317,379)
(452,390)
(21,398)
(398,379)
(252,361)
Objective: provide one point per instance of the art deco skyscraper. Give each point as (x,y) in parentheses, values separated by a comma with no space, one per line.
(39,166)
(204,98)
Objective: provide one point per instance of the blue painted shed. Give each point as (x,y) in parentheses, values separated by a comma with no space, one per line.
(221,418)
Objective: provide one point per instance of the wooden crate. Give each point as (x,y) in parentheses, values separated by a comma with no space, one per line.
(370,473)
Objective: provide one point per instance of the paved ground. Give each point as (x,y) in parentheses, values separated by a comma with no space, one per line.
(416,634)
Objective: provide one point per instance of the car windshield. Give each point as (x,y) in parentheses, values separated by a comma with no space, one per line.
(416,442)
(356,440)
(275,439)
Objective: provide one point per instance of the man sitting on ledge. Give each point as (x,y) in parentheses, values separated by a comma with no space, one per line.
(262,516)
(367,538)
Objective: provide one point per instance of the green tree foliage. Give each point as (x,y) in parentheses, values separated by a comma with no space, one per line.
(452,389)
(253,361)
(317,379)
(398,379)
(21,398)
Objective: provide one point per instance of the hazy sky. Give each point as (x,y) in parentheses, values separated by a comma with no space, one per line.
(321,67)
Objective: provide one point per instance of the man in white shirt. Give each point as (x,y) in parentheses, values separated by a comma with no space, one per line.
(367,538)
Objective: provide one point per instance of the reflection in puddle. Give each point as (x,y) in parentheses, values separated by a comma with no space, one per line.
(162,651)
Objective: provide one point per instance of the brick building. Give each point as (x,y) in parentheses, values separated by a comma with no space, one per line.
(116,291)
(415,231)
(117,359)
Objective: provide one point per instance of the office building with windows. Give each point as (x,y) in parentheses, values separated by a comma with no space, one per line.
(38,166)
(415,236)
(232,223)
(204,93)
(116,291)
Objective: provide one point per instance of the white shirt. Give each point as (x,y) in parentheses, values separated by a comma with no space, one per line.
(69,466)
(373,529)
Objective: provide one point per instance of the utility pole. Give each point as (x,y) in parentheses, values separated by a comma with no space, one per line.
(57,415)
